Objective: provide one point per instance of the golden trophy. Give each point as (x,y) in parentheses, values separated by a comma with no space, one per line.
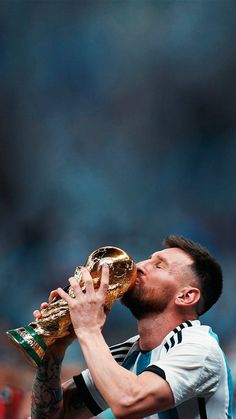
(34,339)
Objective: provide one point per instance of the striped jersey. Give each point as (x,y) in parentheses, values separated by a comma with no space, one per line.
(189,359)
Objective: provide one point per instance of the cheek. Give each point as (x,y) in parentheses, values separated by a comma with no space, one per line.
(161,287)
(159,278)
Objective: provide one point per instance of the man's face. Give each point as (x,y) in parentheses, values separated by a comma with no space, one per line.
(159,279)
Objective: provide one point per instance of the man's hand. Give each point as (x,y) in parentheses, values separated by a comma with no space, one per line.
(87,309)
(58,348)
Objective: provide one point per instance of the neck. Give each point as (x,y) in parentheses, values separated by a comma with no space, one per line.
(153,329)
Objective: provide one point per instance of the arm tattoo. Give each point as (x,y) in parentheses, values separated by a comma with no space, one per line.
(47,395)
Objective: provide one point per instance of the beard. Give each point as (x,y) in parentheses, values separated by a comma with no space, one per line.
(143,303)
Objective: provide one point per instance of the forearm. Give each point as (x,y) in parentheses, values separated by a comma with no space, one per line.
(47,395)
(114,382)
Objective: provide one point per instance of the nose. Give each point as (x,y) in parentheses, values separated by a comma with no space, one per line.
(141,266)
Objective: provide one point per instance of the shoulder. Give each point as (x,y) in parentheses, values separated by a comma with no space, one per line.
(192,362)
(201,336)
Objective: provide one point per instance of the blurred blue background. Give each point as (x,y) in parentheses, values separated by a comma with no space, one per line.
(117,128)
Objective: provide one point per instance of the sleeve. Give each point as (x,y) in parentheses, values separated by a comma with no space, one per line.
(91,396)
(190,370)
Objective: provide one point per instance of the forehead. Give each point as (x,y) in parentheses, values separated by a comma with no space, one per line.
(173,255)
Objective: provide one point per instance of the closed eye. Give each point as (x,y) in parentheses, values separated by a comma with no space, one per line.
(161,262)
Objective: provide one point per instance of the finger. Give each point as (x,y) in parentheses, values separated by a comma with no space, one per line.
(66,297)
(52,295)
(37,314)
(44,305)
(88,280)
(104,280)
(75,284)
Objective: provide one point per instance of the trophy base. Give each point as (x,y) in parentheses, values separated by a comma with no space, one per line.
(30,343)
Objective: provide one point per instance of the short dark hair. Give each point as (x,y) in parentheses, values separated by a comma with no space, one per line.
(206,268)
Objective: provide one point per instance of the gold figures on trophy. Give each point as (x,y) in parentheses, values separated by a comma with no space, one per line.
(34,339)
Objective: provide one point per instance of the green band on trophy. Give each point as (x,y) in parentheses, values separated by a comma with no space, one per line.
(26,346)
(36,337)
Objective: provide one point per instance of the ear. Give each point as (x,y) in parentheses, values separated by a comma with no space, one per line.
(188,296)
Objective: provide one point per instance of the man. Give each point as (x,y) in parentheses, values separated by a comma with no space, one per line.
(173,369)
